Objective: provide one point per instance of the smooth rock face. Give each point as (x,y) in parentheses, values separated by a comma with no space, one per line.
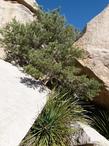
(95,41)
(87,136)
(10,10)
(21,101)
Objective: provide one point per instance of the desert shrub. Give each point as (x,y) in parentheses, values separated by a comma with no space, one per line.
(44,49)
(54,125)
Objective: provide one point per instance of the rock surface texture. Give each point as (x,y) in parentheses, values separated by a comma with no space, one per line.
(87,136)
(21,10)
(21,101)
(95,41)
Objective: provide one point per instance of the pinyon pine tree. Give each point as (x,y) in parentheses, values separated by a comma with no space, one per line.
(44,49)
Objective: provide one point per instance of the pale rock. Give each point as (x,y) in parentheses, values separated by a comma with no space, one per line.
(10,9)
(95,41)
(21,101)
(87,136)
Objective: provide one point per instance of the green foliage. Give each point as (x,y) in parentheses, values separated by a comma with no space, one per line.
(51,33)
(100,122)
(44,49)
(53,126)
(99,118)
(87,88)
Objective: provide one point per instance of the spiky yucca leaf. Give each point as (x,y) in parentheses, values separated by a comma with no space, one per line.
(100,121)
(98,117)
(53,126)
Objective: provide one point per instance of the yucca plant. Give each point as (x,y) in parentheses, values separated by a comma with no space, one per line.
(53,126)
(98,117)
(100,121)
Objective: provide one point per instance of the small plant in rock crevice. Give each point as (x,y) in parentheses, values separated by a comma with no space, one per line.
(53,126)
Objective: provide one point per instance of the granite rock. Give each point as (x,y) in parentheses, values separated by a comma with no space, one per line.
(19,9)
(87,136)
(95,42)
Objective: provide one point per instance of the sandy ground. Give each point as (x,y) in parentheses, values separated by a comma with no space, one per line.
(20,104)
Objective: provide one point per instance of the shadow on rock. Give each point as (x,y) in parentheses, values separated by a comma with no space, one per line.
(32,83)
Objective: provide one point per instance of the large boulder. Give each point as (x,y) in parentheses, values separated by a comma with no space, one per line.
(22,11)
(21,100)
(17,9)
(95,42)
